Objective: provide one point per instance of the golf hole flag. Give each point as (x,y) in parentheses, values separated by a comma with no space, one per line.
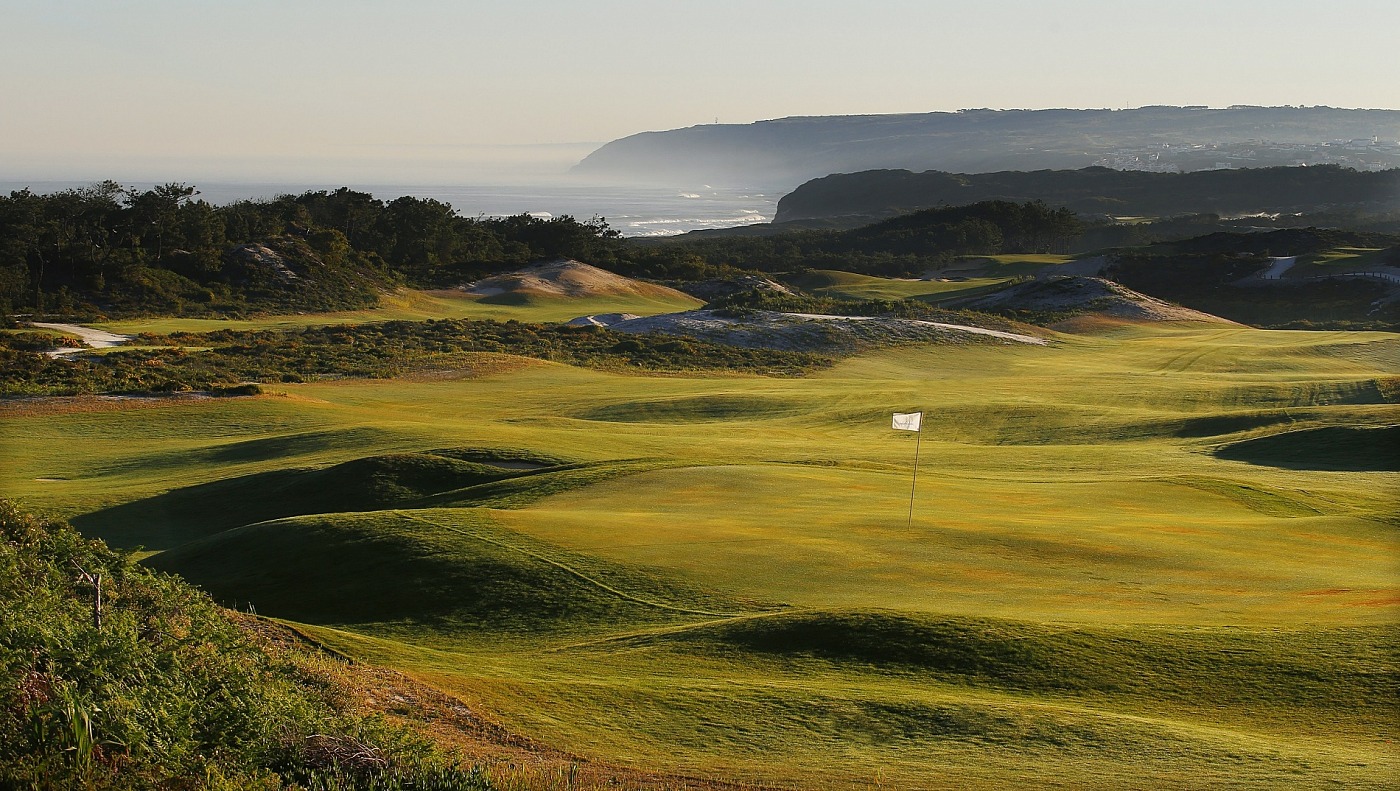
(908,421)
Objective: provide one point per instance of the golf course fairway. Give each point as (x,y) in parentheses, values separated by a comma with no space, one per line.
(1149,557)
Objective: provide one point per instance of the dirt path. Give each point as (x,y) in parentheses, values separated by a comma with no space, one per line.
(1281,264)
(92,337)
(1010,336)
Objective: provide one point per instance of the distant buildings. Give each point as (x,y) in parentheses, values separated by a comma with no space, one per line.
(1370,153)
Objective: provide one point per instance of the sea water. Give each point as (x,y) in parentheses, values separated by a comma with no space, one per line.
(632,210)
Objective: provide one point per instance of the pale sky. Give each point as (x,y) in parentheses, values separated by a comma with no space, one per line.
(415,90)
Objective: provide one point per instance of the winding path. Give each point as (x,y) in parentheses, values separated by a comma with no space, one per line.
(1281,264)
(92,338)
(1009,336)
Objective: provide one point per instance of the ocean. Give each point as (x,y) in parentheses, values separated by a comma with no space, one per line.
(634,211)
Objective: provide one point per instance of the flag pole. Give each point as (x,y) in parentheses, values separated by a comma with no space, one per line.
(918,438)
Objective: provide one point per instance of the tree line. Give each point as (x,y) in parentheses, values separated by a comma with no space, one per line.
(111,250)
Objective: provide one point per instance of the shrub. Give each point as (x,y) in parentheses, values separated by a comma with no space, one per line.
(115,677)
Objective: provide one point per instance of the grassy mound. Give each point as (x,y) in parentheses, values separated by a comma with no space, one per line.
(452,573)
(850,285)
(367,484)
(502,457)
(1315,668)
(697,408)
(1325,448)
(521,491)
(1018,424)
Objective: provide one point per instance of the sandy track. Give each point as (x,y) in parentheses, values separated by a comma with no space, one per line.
(91,336)
(1010,336)
(1280,265)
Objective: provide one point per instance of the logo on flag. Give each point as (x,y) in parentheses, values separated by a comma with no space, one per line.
(908,421)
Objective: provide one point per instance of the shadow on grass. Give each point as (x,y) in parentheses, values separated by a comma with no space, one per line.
(1327,448)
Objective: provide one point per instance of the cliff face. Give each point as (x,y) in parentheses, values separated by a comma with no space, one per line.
(788,151)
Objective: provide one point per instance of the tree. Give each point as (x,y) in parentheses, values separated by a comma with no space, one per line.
(156,211)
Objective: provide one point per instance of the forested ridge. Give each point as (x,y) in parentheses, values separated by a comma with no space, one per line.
(114,251)
(1099,191)
(107,249)
(111,251)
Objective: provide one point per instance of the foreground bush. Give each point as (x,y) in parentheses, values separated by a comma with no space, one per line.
(148,684)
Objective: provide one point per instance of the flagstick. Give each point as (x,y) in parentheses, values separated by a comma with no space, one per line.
(918,437)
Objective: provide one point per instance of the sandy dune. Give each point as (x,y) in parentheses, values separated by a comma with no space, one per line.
(567,278)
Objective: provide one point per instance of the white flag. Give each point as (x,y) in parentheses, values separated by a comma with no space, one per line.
(908,421)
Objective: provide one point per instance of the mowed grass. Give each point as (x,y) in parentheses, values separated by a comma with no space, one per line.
(1145,550)
(1118,573)
(834,700)
(410,305)
(1339,260)
(1004,266)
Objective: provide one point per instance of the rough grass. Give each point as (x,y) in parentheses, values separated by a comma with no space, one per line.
(408,305)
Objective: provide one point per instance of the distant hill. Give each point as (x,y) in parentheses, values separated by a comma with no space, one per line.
(789,151)
(1098,190)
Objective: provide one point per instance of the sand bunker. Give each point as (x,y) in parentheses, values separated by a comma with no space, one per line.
(810,331)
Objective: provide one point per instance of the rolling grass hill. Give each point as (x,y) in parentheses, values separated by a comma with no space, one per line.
(456,571)
(849,285)
(1136,558)
(365,484)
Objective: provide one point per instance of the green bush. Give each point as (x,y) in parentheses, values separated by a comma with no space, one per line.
(148,684)
(370,350)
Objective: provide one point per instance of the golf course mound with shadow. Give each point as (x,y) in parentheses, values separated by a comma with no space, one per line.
(396,568)
(367,484)
(1134,662)
(1326,448)
(696,409)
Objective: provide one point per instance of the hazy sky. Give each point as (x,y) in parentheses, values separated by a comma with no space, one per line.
(418,90)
